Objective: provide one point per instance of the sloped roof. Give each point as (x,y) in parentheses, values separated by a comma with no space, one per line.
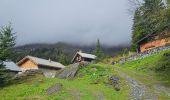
(43,62)
(85,55)
(11,66)
(143,38)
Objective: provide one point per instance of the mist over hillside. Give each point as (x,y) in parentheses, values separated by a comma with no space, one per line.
(53,51)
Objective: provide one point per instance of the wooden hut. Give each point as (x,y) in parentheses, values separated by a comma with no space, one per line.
(48,67)
(152,41)
(80,56)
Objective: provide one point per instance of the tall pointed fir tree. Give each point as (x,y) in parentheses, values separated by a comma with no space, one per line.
(167,14)
(98,51)
(7,41)
(62,58)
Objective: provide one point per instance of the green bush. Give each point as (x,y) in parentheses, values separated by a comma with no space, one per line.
(164,63)
(96,73)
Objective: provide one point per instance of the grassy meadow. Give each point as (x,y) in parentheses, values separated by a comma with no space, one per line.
(151,70)
(90,84)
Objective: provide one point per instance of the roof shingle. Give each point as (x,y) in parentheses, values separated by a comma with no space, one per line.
(11,66)
(43,62)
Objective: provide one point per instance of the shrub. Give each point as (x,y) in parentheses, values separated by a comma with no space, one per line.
(164,63)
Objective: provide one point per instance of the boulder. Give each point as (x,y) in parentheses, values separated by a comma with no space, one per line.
(113,63)
(68,72)
(27,73)
(114,81)
(71,71)
(57,87)
(33,72)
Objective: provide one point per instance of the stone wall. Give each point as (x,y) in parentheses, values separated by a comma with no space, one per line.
(47,72)
(162,39)
(145,54)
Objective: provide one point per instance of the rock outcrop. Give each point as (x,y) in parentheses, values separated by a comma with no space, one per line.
(114,81)
(57,87)
(27,73)
(68,72)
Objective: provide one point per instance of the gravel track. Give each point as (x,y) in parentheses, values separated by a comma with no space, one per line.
(138,90)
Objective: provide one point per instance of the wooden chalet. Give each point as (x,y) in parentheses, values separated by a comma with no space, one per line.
(152,41)
(80,57)
(48,67)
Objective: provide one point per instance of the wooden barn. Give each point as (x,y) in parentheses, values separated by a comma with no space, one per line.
(152,41)
(80,57)
(48,67)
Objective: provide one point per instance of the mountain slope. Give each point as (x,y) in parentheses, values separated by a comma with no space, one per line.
(153,71)
(53,51)
(83,87)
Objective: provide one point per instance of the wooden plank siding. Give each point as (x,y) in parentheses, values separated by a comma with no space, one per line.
(28,64)
(78,58)
(154,44)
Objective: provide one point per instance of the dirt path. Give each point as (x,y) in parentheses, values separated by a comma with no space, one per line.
(138,90)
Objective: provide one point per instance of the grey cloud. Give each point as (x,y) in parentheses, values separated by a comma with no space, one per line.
(74,21)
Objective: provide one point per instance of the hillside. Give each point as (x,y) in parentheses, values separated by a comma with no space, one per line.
(152,71)
(91,83)
(146,78)
(53,51)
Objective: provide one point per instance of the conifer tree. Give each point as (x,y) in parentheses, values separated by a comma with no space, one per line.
(148,19)
(98,51)
(7,41)
(168,2)
(62,58)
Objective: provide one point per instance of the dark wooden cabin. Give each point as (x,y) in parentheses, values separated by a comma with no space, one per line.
(80,56)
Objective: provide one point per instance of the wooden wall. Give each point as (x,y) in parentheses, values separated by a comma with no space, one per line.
(28,64)
(78,58)
(154,44)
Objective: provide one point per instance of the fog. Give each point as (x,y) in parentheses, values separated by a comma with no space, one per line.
(72,21)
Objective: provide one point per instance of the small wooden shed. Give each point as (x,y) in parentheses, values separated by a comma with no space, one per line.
(48,67)
(80,56)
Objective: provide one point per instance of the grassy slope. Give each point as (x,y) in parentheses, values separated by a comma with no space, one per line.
(145,70)
(83,87)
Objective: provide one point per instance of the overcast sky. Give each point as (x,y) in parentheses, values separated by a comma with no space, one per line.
(73,21)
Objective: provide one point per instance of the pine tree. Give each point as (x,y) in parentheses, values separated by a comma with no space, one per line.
(167,15)
(98,51)
(7,41)
(137,29)
(168,2)
(148,19)
(62,58)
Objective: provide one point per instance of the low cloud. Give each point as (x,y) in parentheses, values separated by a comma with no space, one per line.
(73,21)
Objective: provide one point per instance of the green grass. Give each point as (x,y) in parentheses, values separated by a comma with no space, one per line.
(151,70)
(90,84)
